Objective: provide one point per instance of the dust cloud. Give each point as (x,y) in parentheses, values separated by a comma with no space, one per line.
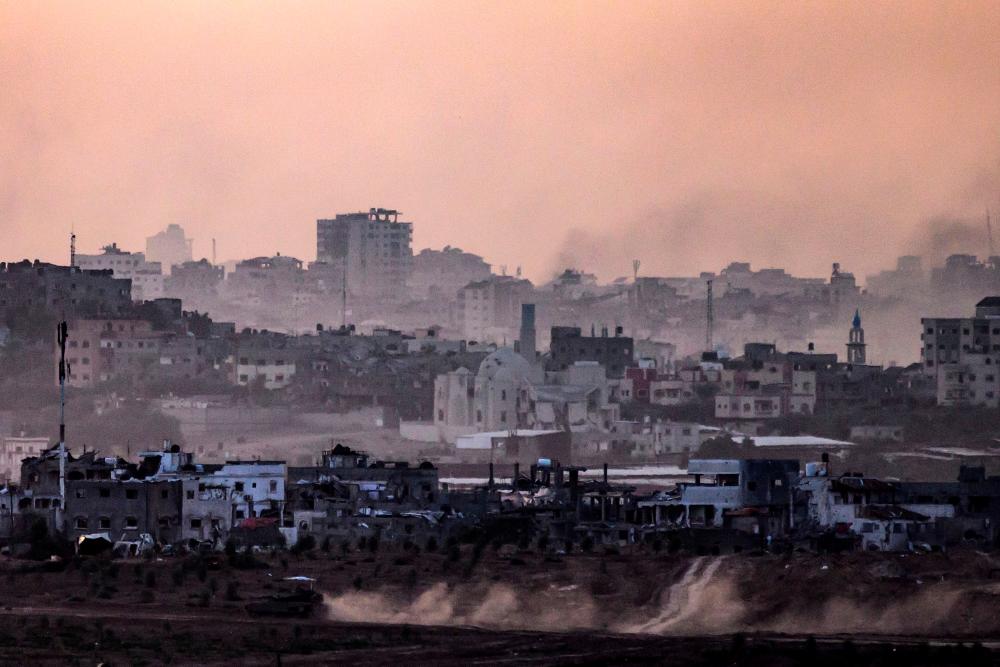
(496,606)
(703,600)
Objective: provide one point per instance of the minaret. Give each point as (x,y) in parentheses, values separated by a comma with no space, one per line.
(856,342)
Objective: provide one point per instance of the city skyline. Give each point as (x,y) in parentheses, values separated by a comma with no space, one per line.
(475,122)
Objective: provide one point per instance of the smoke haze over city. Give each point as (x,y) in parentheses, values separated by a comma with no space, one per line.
(685,134)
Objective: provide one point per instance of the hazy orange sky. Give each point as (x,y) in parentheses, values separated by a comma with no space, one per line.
(686,134)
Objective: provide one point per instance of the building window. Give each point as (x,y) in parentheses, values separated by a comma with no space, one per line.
(81,522)
(104,492)
(81,493)
(105,523)
(195,523)
(239,487)
(131,494)
(272,486)
(164,494)
(190,494)
(131,522)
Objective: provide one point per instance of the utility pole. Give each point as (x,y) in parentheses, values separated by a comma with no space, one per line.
(72,249)
(989,232)
(62,334)
(710,319)
(635,270)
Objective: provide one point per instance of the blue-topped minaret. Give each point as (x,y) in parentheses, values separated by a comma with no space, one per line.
(856,342)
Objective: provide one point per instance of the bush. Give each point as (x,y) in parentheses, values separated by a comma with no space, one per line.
(306,543)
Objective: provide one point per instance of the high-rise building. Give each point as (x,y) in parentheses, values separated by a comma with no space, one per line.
(373,249)
(169,247)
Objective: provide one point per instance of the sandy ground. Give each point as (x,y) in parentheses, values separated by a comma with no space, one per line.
(397,602)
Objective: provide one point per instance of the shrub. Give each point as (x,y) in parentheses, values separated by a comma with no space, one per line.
(232,591)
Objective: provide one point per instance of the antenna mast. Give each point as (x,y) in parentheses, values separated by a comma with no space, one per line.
(343,295)
(989,232)
(62,334)
(710,319)
(72,249)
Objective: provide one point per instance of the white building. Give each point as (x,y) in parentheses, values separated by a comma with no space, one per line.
(488,309)
(509,393)
(962,356)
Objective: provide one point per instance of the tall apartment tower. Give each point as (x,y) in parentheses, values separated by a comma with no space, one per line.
(169,247)
(856,342)
(373,249)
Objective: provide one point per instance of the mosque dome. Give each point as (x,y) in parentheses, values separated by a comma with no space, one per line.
(504,364)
